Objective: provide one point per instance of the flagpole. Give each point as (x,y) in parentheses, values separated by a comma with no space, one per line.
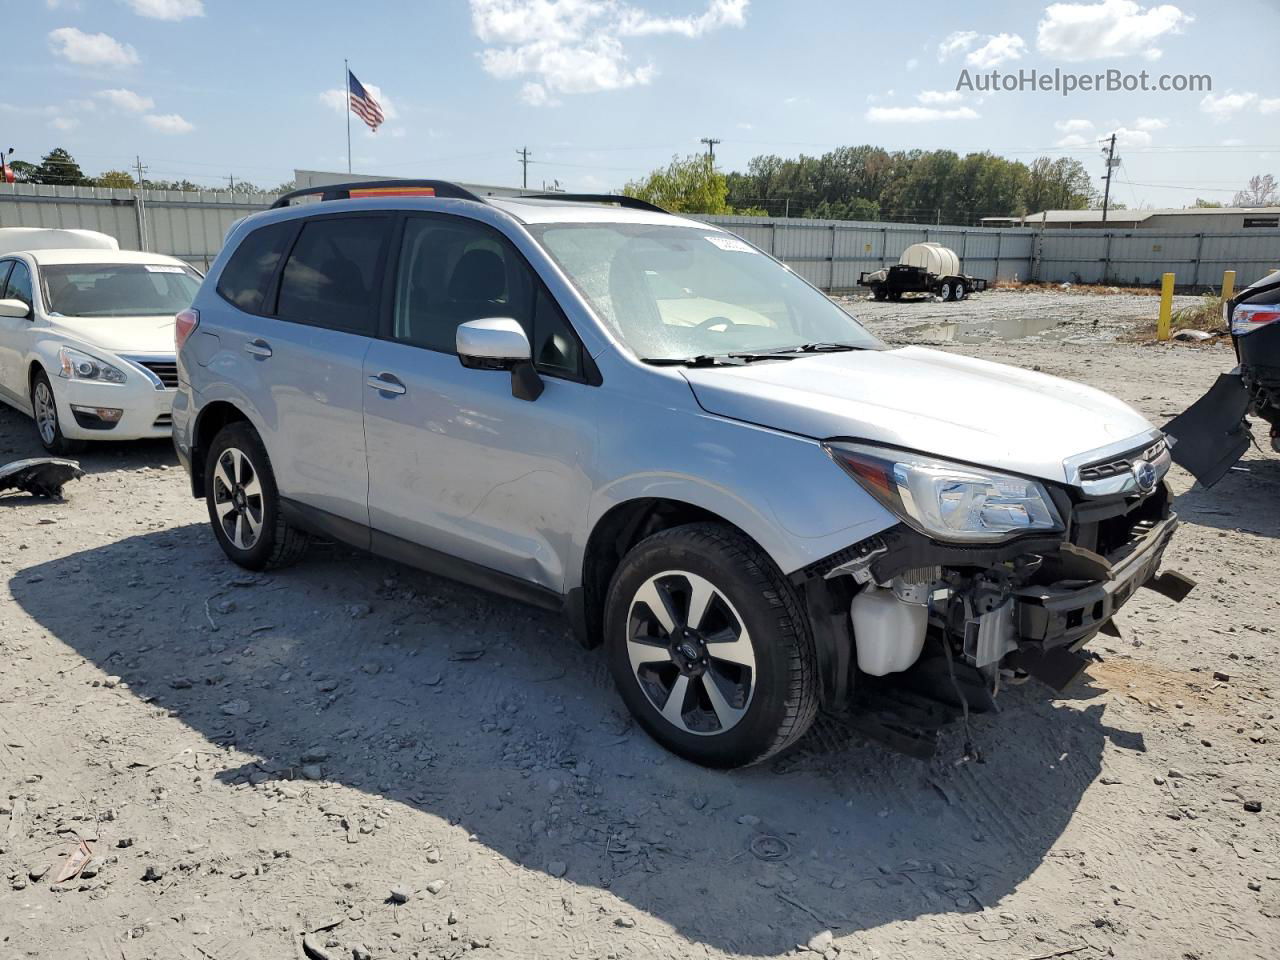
(346,107)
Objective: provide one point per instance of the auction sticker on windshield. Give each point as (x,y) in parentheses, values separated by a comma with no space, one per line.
(732,244)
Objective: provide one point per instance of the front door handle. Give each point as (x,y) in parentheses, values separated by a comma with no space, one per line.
(386,383)
(258,348)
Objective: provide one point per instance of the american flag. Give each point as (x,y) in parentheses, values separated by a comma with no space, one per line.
(362,104)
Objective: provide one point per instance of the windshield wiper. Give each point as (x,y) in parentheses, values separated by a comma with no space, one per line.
(715,359)
(820,347)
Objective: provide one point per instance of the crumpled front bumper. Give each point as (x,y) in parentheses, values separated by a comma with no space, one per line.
(1056,616)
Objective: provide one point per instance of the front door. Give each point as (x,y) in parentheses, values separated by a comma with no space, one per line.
(15,333)
(456,463)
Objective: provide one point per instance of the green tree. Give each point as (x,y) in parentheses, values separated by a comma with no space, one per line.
(59,167)
(1062,184)
(115,178)
(691,185)
(1210,204)
(24,172)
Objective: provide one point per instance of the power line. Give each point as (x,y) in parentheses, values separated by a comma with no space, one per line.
(523,154)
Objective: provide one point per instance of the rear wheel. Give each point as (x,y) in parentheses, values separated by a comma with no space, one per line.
(244,504)
(45,411)
(709,646)
(961,290)
(878,293)
(945,291)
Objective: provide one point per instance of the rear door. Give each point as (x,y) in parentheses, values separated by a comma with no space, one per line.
(456,463)
(304,361)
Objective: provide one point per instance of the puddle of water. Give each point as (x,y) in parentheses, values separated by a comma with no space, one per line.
(982,331)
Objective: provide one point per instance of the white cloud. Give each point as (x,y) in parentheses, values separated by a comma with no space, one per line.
(939,96)
(62,4)
(91,49)
(1073,140)
(168,123)
(912,64)
(126,100)
(1132,138)
(1112,28)
(746,126)
(1225,106)
(918,114)
(1270,105)
(1073,125)
(1151,123)
(64,124)
(573,46)
(336,100)
(957,42)
(167,9)
(997,50)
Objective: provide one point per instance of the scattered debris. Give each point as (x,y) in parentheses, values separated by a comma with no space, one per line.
(39,476)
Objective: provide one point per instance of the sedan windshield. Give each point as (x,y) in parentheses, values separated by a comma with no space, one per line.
(118,289)
(675,293)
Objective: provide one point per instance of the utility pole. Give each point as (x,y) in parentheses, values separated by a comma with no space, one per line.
(1112,162)
(232,181)
(523,154)
(141,206)
(711,148)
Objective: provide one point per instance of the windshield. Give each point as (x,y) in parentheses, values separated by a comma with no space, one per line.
(118,289)
(673,293)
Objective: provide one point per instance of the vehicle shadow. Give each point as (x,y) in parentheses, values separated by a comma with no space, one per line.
(1246,499)
(485,714)
(18,441)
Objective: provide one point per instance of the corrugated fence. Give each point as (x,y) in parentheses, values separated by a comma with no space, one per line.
(829,253)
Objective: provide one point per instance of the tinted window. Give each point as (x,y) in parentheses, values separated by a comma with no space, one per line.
(1263,295)
(248,274)
(454,270)
(332,276)
(118,289)
(19,285)
(4,276)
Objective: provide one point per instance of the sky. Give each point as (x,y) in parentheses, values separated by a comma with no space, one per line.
(602,91)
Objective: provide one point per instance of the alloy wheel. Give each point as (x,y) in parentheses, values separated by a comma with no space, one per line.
(237,498)
(690,653)
(46,412)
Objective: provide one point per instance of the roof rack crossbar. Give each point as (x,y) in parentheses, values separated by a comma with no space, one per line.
(342,191)
(621,200)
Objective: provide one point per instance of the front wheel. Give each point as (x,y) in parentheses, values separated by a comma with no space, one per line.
(944,291)
(244,504)
(709,646)
(45,411)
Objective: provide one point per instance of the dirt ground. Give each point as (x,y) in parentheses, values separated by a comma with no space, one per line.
(255,758)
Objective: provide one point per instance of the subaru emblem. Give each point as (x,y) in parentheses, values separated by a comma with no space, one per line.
(1144,475)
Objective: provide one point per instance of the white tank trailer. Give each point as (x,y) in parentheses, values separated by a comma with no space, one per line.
(923,268)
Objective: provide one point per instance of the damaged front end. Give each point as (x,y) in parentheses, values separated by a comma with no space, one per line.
(958,621)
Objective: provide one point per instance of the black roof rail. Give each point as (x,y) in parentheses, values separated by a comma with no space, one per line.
(621,200)
(342,191)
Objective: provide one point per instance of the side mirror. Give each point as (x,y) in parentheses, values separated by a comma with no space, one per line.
(14,308)
(500,343)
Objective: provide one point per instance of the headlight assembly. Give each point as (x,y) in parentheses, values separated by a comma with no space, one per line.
(81,366)
(948,501)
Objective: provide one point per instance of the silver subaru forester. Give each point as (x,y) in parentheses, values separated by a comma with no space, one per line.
(589,404)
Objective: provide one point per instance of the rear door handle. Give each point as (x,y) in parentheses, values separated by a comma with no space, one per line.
(386,383)
(258,348)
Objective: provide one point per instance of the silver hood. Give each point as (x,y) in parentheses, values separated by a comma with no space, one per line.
(939,403)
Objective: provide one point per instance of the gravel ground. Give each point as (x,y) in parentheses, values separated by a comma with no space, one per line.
(393,764)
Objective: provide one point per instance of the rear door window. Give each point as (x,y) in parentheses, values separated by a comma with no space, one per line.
(334,273)
(4,276)
(248,275)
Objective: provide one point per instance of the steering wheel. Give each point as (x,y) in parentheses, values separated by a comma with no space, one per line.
(710,322)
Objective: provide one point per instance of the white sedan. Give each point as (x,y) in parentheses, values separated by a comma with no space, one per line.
(86,335)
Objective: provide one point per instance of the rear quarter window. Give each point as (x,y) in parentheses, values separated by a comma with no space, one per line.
(334,273)
(248,274)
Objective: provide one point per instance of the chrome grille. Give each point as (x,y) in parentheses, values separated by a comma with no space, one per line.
(165,370)
(1122,465)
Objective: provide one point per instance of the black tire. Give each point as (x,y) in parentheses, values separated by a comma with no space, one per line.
(275,543)
(783,678)
(895,294)
(962,291)
(946,291)
(879,293)
(54,441)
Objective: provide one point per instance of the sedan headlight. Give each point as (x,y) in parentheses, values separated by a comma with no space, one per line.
(948,501)
(81,366)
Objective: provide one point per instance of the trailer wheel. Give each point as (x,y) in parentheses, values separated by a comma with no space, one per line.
(961,290)
(895,294)
(944,291)
(879,293)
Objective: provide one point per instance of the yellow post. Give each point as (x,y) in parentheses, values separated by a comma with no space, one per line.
(1166,307)
(1228,284)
